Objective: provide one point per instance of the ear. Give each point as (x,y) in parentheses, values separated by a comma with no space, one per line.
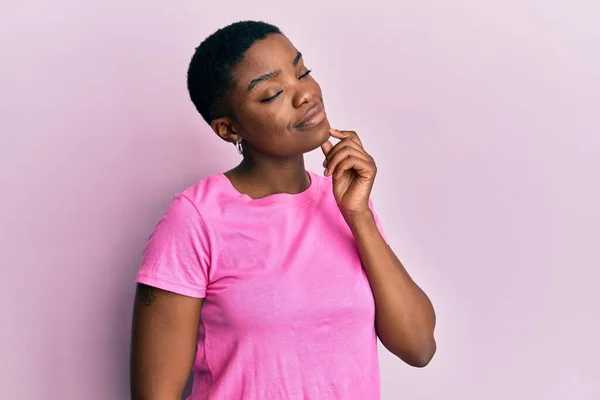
(223,127)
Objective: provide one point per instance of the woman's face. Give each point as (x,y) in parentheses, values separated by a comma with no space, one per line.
(277,107)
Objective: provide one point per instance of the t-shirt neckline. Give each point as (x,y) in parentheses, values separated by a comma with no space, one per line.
(289,199)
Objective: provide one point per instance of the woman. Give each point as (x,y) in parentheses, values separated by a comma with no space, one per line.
(269,281)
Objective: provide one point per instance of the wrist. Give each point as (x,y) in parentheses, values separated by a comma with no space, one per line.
(355,219)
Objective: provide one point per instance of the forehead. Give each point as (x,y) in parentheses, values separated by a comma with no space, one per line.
(265,55)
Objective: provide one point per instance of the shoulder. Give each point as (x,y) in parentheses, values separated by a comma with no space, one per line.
(191,206)
(202,195)
(324,183)
(325,200)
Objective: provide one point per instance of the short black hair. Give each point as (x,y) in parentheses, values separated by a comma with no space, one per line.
(209,73)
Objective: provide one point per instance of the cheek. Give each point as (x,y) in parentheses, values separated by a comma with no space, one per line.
(279,122)
(271,122)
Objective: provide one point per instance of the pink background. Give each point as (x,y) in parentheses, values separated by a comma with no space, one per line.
(484,120)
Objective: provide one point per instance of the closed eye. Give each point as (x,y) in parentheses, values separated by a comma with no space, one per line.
(269,99)
(304,75)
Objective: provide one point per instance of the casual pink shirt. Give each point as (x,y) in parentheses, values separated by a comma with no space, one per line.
(288,311)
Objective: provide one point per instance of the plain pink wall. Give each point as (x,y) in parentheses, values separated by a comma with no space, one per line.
(484,120)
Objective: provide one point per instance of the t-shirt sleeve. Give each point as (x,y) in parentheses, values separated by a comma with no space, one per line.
(377,221)
(177,255)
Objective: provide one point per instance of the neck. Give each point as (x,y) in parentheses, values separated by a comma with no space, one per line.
(266,177)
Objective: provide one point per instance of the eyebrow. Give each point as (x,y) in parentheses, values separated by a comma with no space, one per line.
(270,75)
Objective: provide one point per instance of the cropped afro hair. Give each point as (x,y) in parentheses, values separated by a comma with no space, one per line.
(209,73)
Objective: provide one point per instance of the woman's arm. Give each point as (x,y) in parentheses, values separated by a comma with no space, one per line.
(163,343)
(404,318)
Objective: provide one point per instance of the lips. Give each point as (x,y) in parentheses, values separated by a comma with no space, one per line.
(312,116)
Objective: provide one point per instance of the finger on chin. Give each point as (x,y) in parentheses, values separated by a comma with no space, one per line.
(338,134)
(326,147)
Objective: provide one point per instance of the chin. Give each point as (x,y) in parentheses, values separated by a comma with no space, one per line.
(325,132)
(312,138)
(319,137)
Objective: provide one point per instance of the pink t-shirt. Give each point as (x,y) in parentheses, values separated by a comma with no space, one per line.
(288,311)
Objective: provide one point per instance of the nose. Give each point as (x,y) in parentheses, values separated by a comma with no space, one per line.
(302,94)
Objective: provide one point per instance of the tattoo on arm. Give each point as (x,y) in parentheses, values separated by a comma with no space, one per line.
(146,294)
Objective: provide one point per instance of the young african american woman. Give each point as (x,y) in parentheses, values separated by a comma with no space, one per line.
(269,281)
